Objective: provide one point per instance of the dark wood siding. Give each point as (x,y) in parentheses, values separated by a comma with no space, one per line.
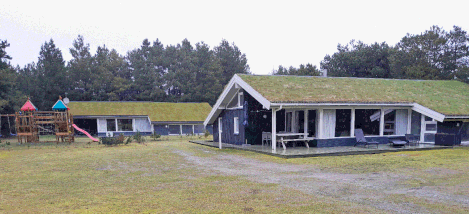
(161,129)
(228,135)
(215,131)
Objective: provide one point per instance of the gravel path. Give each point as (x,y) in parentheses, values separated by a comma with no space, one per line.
(371,189)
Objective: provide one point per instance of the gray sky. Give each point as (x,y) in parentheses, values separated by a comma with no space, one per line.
(270,33)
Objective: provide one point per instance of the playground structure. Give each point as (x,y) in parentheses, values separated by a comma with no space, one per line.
(31,123)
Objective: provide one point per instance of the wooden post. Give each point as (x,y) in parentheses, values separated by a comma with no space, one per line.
(381,122)
(352,123)
(409,121)
(274,130)
(321,122)
(306,122)
(422,127)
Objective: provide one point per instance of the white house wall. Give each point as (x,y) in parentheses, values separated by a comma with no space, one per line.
(102,125)
(142,125)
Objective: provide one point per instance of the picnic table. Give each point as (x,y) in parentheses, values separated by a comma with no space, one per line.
(293,137)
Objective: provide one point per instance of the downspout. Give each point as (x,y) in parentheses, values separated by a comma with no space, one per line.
(281,106)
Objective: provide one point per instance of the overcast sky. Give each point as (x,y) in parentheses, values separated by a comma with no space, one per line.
(270,33)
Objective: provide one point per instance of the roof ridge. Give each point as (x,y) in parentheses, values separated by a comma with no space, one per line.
(338,77)
(133,102)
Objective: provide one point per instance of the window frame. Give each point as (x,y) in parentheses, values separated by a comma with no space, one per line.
(236,125)
(132,123)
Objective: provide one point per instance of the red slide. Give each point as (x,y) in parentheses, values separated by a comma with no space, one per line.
(85,132)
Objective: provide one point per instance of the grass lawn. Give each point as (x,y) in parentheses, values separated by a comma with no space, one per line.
(157,178)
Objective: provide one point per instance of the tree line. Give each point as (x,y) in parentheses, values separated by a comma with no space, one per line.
(198,73)
(152,72)
(432,55)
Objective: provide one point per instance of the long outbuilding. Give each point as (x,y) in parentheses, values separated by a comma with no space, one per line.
(104,118)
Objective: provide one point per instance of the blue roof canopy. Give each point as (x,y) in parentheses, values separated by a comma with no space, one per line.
(59,106)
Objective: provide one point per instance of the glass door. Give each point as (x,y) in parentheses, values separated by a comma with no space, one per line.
(429,130)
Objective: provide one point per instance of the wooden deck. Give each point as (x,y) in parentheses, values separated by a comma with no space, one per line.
(301,152)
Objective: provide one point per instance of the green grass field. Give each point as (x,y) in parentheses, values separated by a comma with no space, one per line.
(155,178)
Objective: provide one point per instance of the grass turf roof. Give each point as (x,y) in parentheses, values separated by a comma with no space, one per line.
(156,111)
(449,97)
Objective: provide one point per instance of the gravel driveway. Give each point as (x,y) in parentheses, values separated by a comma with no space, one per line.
(372,189)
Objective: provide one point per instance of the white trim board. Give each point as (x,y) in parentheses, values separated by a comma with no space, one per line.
(234,84)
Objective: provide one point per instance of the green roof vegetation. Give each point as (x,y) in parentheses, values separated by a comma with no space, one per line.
(156,111)
(449,97)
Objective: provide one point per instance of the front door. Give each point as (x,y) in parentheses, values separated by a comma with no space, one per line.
(429,129)
(219,131)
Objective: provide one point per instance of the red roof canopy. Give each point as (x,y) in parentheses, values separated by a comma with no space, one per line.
(28,106)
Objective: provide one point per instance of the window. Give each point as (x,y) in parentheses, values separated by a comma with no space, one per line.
(365,120)
(288,121)
(312,123)
(430,127)
(415,124)
(342,122)
(236,125)
(389,122)
(199,129)
(187,129)
(124,125)
(174,129)
(111,125)
(240,99)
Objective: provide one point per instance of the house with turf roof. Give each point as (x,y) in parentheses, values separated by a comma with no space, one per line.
(113,118)
(327,110)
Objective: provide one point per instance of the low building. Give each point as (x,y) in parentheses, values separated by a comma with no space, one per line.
(329,109)
(113,118)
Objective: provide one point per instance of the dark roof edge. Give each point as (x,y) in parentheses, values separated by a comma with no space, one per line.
(338,77)
(130,102)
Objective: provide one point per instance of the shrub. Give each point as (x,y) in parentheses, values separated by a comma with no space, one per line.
(207,133)
(112,141)
(139,137)
(155,136)
(129,140)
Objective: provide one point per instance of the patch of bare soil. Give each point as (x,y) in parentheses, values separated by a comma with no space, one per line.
(373,189)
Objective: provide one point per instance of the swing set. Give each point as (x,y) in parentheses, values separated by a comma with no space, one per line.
(9,124)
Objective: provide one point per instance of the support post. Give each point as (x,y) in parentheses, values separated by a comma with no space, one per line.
(306,122)
(274,130)
(352,123)
(409,121)
(422,127)
(321,122)
(220,130)
(381,122)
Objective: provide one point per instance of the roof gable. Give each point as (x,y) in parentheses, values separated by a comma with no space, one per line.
(28,106)
(447,97)
(60,106)
(155,110)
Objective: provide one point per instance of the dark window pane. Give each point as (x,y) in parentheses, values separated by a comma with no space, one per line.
(390,122)
(111,125)
(312,123)
(366,120)
(124,125)
(174,129)
(199,129)
(342,122)
(430,127)
(186,129)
